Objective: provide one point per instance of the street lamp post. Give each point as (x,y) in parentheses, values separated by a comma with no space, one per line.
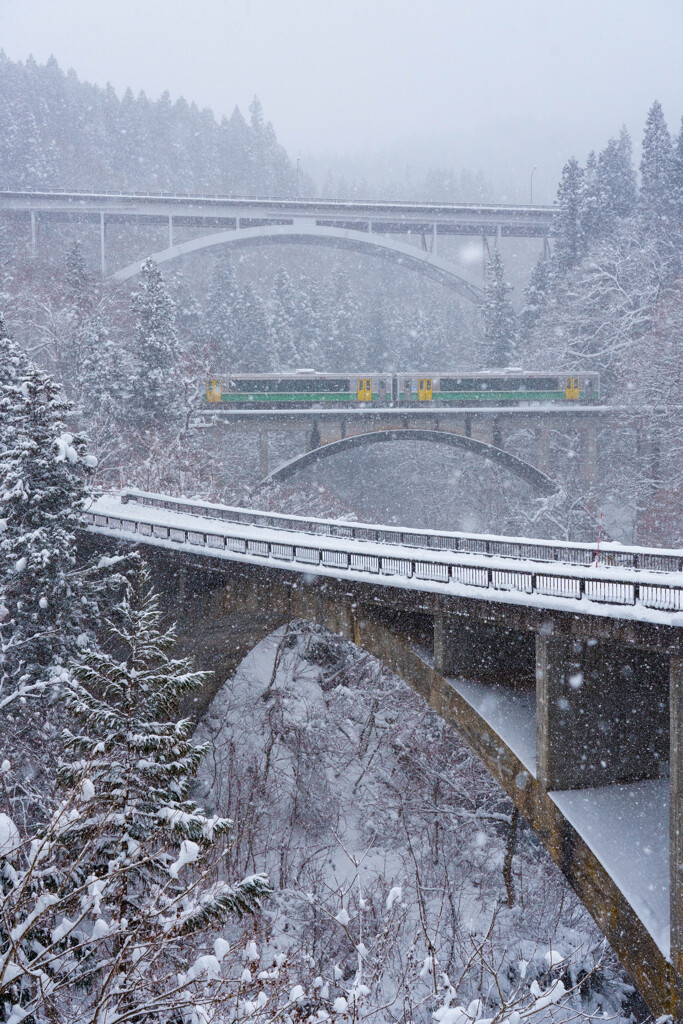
(531,187)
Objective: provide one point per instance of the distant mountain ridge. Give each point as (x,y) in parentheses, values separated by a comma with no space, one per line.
(59,132)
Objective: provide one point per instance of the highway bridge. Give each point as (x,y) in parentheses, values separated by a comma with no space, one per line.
(405,232)
(560,666)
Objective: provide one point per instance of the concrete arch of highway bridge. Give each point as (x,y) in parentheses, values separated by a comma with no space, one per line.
(406,255)
(521,469)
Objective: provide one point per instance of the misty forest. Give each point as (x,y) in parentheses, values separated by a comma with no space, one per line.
(223,794)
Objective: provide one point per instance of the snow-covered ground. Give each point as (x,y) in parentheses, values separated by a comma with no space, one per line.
(382,835)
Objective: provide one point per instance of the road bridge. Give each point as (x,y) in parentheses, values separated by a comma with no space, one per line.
(561,669)
(406,232)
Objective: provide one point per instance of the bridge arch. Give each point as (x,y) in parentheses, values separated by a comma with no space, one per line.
(545,484)
(383,246)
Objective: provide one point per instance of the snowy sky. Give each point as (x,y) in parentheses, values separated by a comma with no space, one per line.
(351,76)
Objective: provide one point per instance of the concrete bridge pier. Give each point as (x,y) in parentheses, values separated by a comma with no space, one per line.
(602,713)
(490,653)
(263,462)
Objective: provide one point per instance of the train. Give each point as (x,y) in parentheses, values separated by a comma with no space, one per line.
(303,389)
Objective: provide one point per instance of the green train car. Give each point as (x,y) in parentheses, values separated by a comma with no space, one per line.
(304,389)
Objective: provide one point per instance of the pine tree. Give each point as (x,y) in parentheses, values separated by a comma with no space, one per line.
(220,320)
(678,175)
(50,604)
(155,351)
(535,296)
(498,314)
(284,323)
(591,202)
(567,228)
(657,171)
(343,349)
(616,182)
(117,890)
(253,329)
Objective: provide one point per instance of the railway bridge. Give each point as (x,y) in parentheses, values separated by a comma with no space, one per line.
(404,232)
(525,439)
(562,668)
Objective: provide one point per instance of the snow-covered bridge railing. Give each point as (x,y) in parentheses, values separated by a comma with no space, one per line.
(497,571)
(608,554)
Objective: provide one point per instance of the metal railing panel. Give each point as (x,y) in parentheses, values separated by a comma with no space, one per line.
(558,586)
(336,559)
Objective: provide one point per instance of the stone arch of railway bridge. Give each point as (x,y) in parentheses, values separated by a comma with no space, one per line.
(620,728)
(525,441)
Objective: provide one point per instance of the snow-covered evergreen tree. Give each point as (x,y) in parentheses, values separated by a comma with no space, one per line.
(155,351)
(113,896)
(47,606)
(284,323)
(498,315)
(657,171)
(223,341)
(535,295)
(253,329)
(344,349)
(567,224)
(616,177)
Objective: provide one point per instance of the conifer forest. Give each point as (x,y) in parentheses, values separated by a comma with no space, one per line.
(316,843)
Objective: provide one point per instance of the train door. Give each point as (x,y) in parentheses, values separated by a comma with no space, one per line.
(364,389)
(424,389)
(571,387)
(213,391)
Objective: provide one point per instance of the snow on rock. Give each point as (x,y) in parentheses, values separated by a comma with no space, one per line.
(189,853)
(9,833)
(394,896)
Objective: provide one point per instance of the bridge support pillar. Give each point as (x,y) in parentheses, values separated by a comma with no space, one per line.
(103,250)
(467,649)
(601,713)
(313,439)
(264,468)
(676,826)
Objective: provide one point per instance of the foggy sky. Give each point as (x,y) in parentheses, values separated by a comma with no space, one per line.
(498,84)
